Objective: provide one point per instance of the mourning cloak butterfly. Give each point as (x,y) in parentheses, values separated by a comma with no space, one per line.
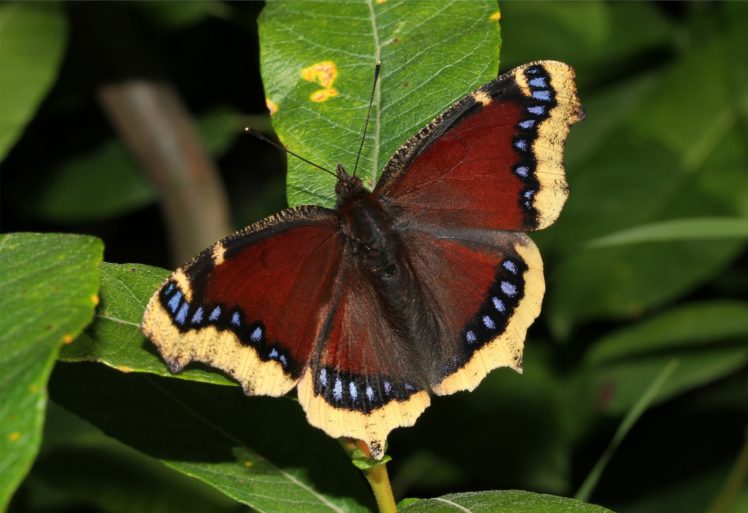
(424,284)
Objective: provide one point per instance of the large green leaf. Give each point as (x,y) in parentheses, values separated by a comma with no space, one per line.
(107,475)
(32,40)
(259,451)
(509,501)
(707,339)
(48,289)
(114,338)
(432,53)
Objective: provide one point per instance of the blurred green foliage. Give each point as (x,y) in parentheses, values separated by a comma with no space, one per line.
(647,265)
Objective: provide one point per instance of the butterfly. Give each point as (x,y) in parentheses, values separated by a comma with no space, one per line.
(420,286)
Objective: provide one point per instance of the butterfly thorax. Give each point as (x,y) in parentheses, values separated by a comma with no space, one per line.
(365,225)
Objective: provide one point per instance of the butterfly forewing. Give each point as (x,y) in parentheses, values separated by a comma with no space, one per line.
(251,304)
(494,159)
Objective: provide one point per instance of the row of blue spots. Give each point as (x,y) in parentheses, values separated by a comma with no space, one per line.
(358,392)
(177,305)
(509,291)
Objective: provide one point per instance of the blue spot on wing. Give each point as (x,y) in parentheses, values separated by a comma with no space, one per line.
(498,304)
(538,110)
(182,315)
(508,288)
(488,322)
(538,82)
(174,302)
(197,317)
(521,144)
(527,124)
(544,95)
(215,314)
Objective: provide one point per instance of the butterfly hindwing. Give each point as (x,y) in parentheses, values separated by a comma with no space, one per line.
(494,159)
(485,288)
(251,304)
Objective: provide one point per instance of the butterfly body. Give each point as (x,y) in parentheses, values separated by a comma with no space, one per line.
(422,285)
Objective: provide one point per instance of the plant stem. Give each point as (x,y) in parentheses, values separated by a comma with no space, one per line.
(380,485)
(375,473)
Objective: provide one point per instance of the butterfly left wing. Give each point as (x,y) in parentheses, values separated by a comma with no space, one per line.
(251,304)
(494,159)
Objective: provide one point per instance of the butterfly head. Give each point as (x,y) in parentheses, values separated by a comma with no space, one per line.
(348,186)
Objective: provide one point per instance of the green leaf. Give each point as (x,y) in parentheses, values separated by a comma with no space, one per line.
(708,339)
(33,37)
(509,501)
(259,451)
(106,182)
(114,338)
(676,229)
(682,327)
(108,475)
(48,289)
(432,53)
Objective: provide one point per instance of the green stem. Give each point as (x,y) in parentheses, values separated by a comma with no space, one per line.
(380,485)
(374,471)
(728,495)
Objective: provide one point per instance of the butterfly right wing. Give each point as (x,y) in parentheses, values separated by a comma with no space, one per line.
(252,304)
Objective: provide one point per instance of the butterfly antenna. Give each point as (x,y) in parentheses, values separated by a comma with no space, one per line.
(261,137)
(368,114)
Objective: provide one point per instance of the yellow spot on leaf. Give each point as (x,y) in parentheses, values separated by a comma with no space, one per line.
(247,464)
(33,387)
(271,105)
(323,73)
(14,436)
(380,1)
(495,16)
(123,368)
(95,299)
(67,339)
(322,95)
